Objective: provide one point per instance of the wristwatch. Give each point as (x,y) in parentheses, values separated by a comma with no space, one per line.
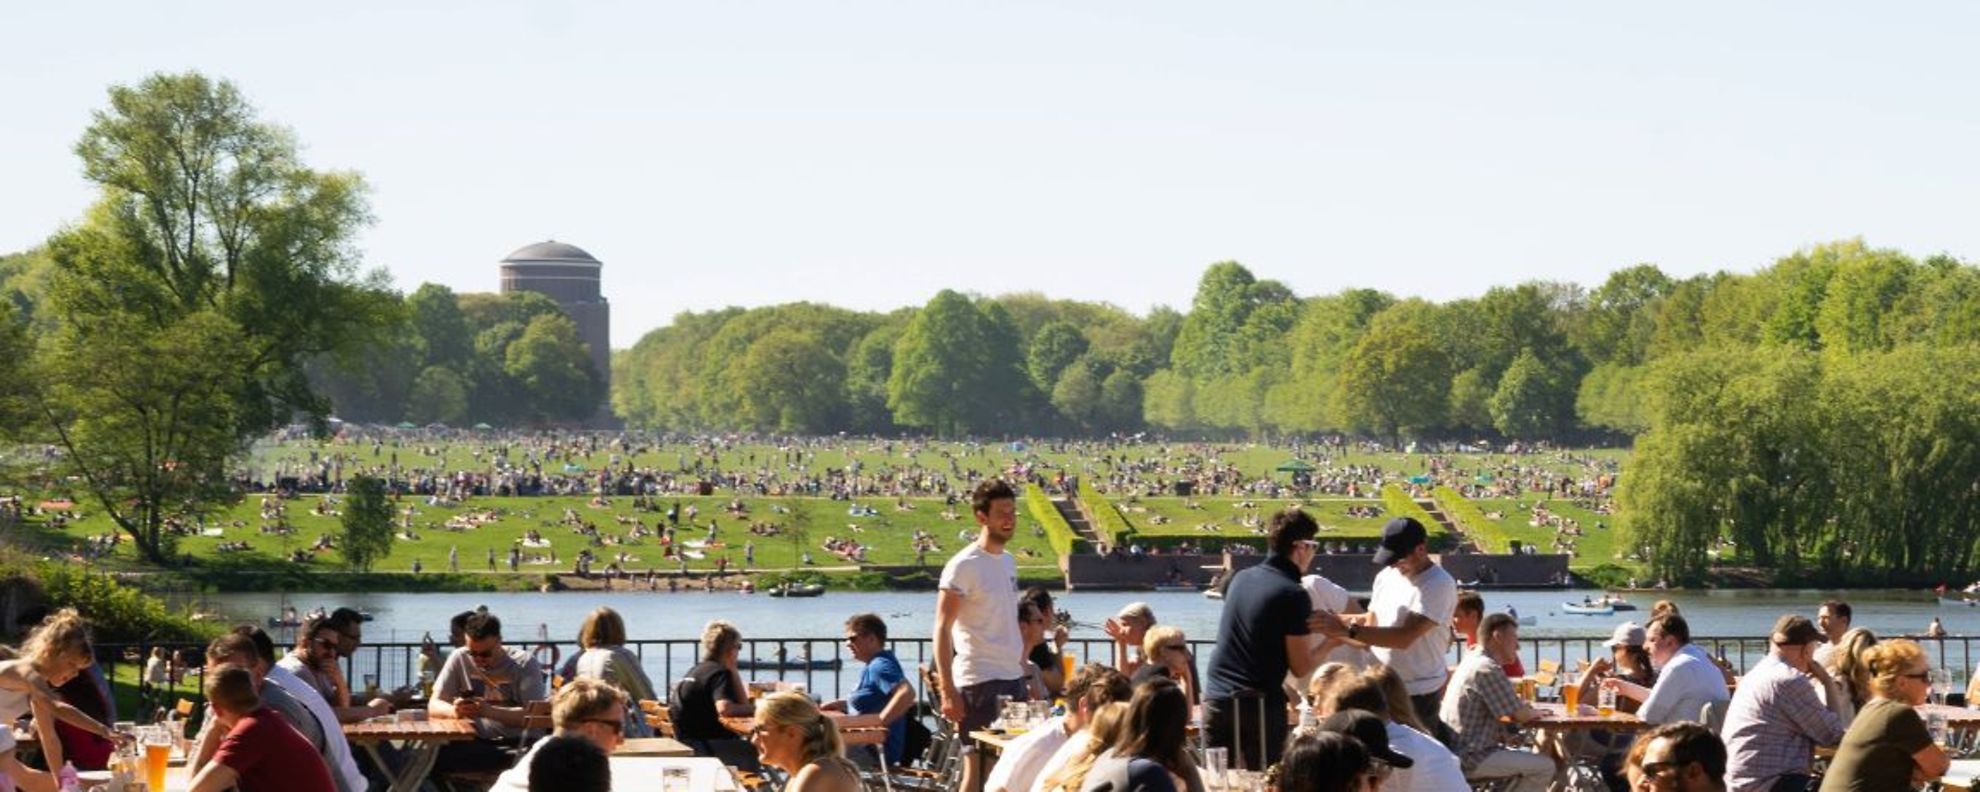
(1351,628)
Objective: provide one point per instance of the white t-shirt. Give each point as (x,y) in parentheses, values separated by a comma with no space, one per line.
(1683,687)
(1435,770)
(1432,594)
(339,749)
(1018,768)
(985,633)
(516,779)
(1074,745)
(1328,595)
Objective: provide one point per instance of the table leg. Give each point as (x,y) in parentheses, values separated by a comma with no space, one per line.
(419,758)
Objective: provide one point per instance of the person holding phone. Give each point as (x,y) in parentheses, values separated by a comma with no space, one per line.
(490,684)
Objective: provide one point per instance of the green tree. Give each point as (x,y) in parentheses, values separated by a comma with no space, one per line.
(1532,402)
(790,381)
(1055,347)
(210,242)
(1471,397)
(16,354)
(1120,401)
(551,365)
(1397,380)
(438,395)
(1621,316)
(1078,394)
(367,523)
(956,367)
(443,330)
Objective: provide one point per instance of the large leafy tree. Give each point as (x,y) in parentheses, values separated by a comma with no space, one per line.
(956,367)
(550,364)
(212,268)
(367,523)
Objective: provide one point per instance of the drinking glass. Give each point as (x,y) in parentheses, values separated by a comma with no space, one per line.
(1935,722)
(157,753)
(1941,684)
(1606,702)
(1216,761)
(674,779)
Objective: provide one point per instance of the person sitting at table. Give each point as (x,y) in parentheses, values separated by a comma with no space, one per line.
(490,684)
(344,768)
(1091,688)
(583,708)
(792,735)
(239,650)
(712,690)
(55,652)
(1051,670)
(1433,769)
(1034,627)
(260,752)
(1066,770)
(1627,660)
(1846,664)
(1325,762)
(1888,746)
(1679,757)
(883,693)
(1127,628)
(1477,704)
(1686,678)
(314,660)
(604,657)
(1156,738)
(569,764)
(1167,650)
(1320,686)
(1368,729)
(1777,717)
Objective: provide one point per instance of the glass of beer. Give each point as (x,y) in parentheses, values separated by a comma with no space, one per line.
(1066,663)
(1571,696)
(1606,702)
(157,753)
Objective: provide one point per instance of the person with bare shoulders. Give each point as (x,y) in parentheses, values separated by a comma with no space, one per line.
(55,652)
(793,736)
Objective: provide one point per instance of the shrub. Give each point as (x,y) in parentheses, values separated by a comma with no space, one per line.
(1490,536)
(1057,531)
(119,613)
(1399,504)
(1107,520)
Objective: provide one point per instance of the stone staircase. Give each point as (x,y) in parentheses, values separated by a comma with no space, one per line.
(1081,528)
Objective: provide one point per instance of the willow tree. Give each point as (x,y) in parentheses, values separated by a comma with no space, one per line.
(212,267)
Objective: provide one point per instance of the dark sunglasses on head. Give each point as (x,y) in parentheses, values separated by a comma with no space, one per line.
(618,726)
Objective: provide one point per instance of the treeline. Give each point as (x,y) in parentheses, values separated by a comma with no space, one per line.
(1534,361)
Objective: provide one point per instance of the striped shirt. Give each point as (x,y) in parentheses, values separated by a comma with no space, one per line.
(1773,725)
(1478,696)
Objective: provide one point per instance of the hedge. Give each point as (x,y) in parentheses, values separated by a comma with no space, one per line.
(1058,532)
(1398,503)
(1489,534)
(1107,520)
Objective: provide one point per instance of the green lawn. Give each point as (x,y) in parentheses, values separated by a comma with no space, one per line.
(1245,518)
(1595,547)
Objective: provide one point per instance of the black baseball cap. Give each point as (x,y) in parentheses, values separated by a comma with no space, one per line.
(1371,730)
(1399,538)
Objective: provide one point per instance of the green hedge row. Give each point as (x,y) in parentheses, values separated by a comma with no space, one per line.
(1490,536)
(118,613)
(1107,520)
(1398,503)
(1058,532)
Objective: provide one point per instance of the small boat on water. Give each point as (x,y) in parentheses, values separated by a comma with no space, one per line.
(1588,609)
(797,590)
(787,665)
(1213,594)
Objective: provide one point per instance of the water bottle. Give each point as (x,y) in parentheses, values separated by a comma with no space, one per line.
(67,780)
(1307,723)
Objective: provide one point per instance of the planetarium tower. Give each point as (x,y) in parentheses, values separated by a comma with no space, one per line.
(570,276)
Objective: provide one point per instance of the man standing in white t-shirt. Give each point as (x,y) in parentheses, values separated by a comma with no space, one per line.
(1409,617)
(979,654)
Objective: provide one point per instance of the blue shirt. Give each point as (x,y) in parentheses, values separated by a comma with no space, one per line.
(1263,605)
(876,688)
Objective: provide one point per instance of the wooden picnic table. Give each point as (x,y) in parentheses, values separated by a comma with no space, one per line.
(1555,717)
(421,738)
(850,735)
(666,747)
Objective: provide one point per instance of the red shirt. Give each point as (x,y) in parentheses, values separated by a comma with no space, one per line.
(269,755)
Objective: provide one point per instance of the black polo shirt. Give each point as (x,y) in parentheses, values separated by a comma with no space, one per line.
(1262,606)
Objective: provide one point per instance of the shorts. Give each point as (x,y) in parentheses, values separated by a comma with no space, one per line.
(980,701)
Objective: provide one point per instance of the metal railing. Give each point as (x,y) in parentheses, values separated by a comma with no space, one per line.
(828,670)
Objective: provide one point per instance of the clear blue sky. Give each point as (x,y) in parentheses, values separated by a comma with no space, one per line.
(867,154)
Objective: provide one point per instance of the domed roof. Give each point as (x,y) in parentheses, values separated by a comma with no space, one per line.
(551,250)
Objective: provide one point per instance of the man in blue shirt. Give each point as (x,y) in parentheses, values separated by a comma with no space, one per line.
(1262,635)
(883,696)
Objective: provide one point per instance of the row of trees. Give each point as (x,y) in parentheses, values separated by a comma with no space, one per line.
(1532,361)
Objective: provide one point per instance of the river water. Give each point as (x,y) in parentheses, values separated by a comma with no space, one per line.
(400,617)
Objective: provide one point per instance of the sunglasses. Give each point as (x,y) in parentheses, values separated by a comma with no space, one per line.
(485,654)
(618,726)
(1922,676)
(1658,769)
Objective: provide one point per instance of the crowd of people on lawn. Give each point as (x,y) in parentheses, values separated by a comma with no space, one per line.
(1315,689)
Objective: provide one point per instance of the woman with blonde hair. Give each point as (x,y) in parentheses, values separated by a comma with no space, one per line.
(53,654)
(792,735)
(604,658)
(1400,710)
(1888,746)
(1108,724)
(1847,664)
(1320,688)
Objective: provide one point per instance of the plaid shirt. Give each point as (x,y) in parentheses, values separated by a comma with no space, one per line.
(1775,722)
(1478,696)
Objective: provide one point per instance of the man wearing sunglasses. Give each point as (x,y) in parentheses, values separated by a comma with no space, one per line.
(320,643)
(489,684)
(585,708)
(1683,757)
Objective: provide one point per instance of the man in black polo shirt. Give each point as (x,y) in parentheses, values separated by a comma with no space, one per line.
(1261,636)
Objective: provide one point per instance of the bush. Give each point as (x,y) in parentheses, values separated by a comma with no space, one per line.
(1399,504)
(1490,536)
(1057,531)
(1107,520)
(117,612)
